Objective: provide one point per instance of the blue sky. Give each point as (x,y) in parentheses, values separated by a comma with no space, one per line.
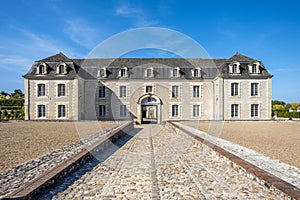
(265,30)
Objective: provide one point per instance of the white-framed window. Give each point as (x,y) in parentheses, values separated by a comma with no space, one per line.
(254,110)
(61,69)
(41,90)
(196,110)
(61,111)
(149,72)
(234,89)
(149,89)
(41,69)
(102,110)
(122,110)
(101,73)
(175,110)
(122,91)
(123,72)
(234,68)
(175,72)
(234,110)
(196,72)
(102,91)
(175,91)
(196,91)
(254,89)
(254,68)
(61,90)
(41,111)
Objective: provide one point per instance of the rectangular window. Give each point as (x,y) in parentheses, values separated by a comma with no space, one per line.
(254,69)
(196,72)
(61,111)
(101,91)
(234,68)
(102,110)
(254,110)
(234,89)
(149,72)
(175,91)
(102,73)
(196,110)
(196,91)
(41,90)
(41,111)
(122,110)
(148,89)
(175,72)
(175,110)
(61,90)
(61,69)
(254,89)
(234,110)
(123,73)
(42,69)
(122,91)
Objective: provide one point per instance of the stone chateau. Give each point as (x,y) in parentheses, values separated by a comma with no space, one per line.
(148,89)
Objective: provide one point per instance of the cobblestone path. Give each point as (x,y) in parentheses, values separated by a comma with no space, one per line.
(160,162)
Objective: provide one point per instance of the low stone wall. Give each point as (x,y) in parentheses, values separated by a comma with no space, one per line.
(51,176)
(282,178)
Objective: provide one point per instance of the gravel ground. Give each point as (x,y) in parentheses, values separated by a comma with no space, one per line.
(161,163)
(278,140)
(23,141)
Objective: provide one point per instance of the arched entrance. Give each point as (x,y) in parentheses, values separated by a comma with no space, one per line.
(149,109)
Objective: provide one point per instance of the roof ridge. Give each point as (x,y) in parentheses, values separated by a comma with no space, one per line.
(56,58)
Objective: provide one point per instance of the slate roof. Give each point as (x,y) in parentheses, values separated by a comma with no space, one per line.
(87,68)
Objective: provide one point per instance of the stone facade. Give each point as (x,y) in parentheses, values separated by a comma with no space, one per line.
(148,90)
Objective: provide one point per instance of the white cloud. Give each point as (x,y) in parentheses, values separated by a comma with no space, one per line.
(16,63)
(127,10)
(139,16)
(28,48)
(81,33)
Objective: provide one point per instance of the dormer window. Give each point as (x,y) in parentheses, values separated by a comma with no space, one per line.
(196,72)
(149,72)
(61,69)
(254,68)
(234,68)
(42,69)
(101,73)
(175,72)
(123,72)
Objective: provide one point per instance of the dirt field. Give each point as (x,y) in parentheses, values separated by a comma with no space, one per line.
(278,140)
(22,141)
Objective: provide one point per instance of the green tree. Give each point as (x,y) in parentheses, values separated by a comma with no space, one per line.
(277,102)
(17,93)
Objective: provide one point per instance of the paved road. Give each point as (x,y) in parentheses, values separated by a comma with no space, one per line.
(162,163)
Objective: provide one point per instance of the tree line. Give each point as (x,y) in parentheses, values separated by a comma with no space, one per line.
(12,105)
(287,110)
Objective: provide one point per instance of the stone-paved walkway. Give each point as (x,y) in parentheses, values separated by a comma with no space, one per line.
(162,163)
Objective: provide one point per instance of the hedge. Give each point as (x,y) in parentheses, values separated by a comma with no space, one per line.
(11,102)
(288,114)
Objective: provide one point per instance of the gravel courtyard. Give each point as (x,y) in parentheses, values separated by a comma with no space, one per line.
(278,140)
(22,141)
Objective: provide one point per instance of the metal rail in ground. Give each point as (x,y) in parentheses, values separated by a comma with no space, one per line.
(49,177)
(269,179)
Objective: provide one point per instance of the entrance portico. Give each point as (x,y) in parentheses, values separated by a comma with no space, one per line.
(149,109)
